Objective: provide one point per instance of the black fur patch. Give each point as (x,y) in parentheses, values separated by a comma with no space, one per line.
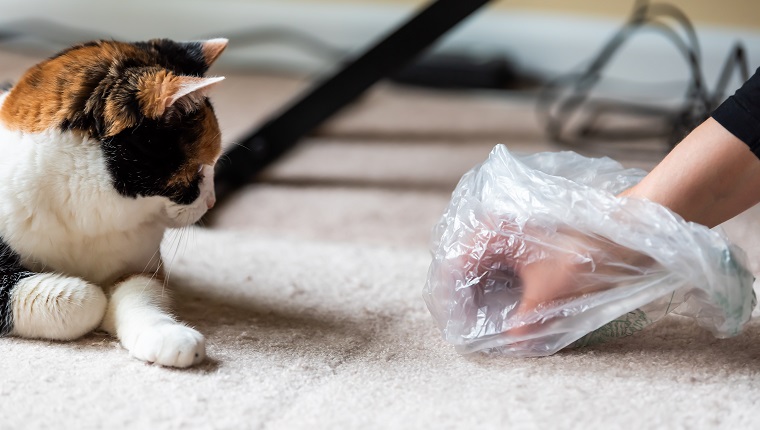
(183,58)
(142,160)
(101,81)
(11,272)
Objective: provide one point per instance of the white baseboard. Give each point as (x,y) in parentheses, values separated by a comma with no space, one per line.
(547,44)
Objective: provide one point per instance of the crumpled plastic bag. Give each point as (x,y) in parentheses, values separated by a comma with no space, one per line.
(636,261)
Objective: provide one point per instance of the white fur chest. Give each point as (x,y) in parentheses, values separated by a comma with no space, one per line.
(60,212)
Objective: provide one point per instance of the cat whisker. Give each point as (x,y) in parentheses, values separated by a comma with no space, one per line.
(223,158)
(240,145)
(174,255)
(150,262)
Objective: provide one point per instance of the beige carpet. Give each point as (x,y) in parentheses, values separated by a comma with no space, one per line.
(308,286)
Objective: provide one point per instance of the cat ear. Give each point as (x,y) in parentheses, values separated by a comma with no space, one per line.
(191,87)
(212,49)
(162,90)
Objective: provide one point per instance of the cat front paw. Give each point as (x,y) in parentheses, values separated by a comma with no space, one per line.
(173,345)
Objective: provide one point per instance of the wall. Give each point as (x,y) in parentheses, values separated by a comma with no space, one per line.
(547,43)
(730,13)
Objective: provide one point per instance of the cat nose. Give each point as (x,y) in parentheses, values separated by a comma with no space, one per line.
(210,202)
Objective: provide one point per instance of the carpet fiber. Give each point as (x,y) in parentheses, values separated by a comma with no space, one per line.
(308,288)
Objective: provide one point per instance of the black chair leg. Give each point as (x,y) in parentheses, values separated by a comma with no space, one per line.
(266,144)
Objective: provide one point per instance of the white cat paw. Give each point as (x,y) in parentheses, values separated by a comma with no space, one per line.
(50,306)
(173,345)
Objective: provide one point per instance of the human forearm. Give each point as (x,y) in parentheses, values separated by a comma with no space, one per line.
(710,177)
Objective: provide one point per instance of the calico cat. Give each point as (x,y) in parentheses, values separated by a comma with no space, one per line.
(103,147)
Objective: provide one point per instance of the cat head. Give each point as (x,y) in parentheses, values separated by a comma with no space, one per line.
(146,106)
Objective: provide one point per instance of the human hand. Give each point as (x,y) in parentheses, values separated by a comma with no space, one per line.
(545,268)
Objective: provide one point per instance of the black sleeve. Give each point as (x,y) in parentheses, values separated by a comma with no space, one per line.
(740,113)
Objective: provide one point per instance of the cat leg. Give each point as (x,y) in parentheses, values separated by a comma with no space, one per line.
(137,317)
(51,306)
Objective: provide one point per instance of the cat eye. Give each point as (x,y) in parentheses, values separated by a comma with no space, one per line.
(200,168)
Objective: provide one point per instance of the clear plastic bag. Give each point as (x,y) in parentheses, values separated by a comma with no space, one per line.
(624,263)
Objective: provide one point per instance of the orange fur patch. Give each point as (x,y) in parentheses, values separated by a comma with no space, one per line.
(50,92)
(155,90)
(206,151)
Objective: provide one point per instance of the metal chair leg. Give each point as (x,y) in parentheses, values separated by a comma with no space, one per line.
(279,134)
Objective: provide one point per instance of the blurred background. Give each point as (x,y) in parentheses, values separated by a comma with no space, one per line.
(572,64)
(546,37)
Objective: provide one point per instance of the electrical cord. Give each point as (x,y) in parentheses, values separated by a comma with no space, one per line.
(573,117)
(58,36)
(55,36)
(287,36)
(439,70)
(570,114)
